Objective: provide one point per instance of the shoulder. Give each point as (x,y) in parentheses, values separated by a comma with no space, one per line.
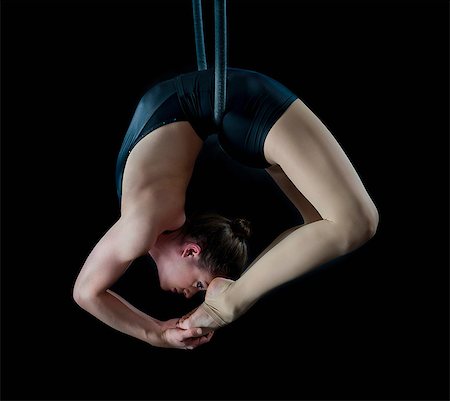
(150,212)
(128,238)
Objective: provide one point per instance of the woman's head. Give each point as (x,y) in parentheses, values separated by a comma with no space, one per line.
(223,243)
(207,246)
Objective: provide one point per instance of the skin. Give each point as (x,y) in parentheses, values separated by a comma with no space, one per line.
(177,263)
(308,165)
(156,176)
(315,173)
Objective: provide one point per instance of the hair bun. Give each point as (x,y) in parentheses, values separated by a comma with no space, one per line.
(241,228)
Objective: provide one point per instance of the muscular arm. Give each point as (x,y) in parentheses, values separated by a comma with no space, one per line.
(126,240)
(133,308)
(130,237)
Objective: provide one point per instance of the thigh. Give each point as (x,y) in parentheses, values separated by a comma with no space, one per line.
(316,164)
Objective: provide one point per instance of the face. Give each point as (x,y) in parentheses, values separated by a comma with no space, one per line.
(185,280)
(182,274)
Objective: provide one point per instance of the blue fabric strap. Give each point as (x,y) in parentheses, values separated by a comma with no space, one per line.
(220,67)
(199,37)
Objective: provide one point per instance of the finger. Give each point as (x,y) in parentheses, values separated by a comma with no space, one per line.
(195,342)
(185,323)
(191,333)
(200,318)
(186,315)
(204,339)
(184,318)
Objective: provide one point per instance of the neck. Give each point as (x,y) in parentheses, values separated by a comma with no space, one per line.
(165,244)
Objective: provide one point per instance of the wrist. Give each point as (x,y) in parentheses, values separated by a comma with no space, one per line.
(154,335)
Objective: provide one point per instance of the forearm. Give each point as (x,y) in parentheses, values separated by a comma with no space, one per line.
(133,308)
(291,255)
(114,311)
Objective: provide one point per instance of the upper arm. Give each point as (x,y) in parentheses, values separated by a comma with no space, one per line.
(126,240)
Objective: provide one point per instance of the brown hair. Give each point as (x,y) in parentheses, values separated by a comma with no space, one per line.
(223,242)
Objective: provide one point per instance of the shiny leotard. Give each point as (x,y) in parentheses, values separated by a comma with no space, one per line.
(254,103)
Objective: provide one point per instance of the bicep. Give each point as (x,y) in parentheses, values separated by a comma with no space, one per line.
(112,255)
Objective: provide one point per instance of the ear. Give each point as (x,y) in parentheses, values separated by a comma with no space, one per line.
(191,249)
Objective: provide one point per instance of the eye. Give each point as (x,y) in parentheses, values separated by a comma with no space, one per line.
(200,285)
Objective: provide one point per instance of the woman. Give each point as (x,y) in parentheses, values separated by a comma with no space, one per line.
(265,125)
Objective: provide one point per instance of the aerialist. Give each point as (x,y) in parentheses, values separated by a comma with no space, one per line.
(263,124)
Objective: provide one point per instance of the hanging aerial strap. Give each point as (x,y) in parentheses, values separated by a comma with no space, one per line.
(199,37)
(220,55)
(220,60)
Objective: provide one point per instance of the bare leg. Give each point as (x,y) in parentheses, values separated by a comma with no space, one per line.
(317,166)
(320,180)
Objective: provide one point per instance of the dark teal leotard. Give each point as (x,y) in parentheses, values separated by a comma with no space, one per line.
(254,103)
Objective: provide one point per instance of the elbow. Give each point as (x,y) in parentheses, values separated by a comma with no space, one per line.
(82,296)
(79,296)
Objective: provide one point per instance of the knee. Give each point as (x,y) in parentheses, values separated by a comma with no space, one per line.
(360,228)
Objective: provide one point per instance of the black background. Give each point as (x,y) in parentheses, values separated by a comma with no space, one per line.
(372,325)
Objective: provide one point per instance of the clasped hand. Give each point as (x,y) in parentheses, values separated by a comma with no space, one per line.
(197,327)
(175,337)
(214,312)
